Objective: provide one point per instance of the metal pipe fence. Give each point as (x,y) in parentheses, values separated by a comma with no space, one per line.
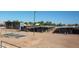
(4,43)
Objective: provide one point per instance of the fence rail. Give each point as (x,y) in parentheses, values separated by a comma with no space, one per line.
(2,46)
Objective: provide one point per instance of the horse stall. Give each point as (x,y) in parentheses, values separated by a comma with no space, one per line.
(66,30)
(37,28)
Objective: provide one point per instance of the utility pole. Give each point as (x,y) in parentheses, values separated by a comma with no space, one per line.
(34,23)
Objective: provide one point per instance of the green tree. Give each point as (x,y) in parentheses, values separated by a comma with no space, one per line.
(48,23)
(60,24)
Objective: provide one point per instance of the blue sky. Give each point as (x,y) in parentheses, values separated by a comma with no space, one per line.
(67,17)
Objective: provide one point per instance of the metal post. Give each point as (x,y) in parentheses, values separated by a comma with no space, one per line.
(34,22)
(1,44)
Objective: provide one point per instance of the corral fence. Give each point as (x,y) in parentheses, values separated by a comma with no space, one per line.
(4,44)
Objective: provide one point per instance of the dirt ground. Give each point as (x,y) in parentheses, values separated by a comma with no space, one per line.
(40,40)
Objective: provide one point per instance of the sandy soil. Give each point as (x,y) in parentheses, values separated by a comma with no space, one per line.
(40,40)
